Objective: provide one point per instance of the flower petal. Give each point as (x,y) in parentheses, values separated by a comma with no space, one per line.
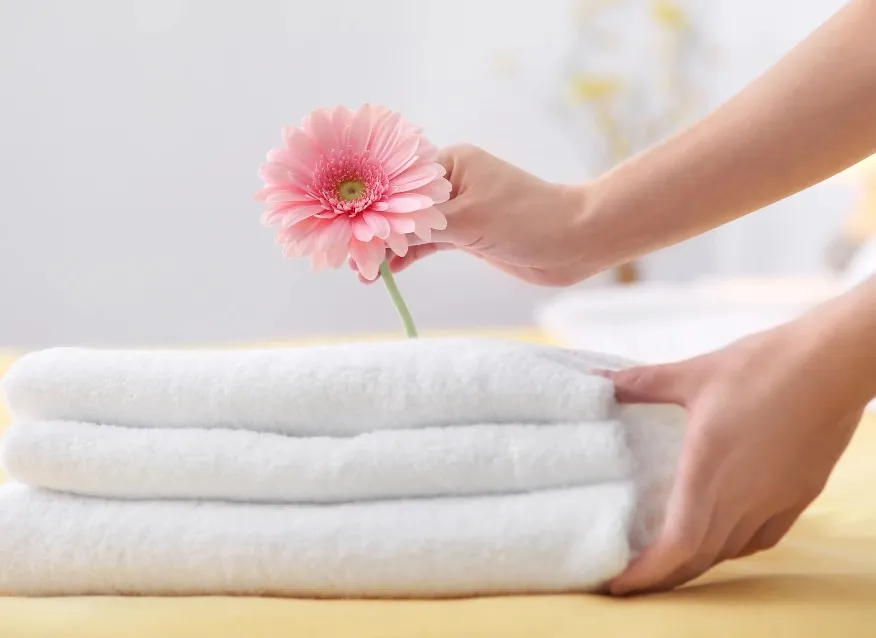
(427,220)
(411,162)
(407,202)
(378,224)
(291,249)
(379,111)
(361,230)
(417,177)
(336,233)
(337,255)
(438,191)
(318,260)
(380,117)
(398,244)
(401,155)
(300,230)
(289,215)
(302,171)
(402,224)
(387,137)
(341,118)
(376,250)
(431,217)
(423,231)
(344,231)
(262,194)
(279,175)
(322,131)
(368,257)
(297,243)
(279,155)
(426,151)
(360,129)
(300,146)
(287,195)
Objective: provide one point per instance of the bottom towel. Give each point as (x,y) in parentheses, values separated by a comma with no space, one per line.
(548,541)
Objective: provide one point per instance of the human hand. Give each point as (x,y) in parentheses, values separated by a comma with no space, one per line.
(769,417)
(509,218)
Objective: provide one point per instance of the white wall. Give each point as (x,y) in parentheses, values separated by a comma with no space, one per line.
(131,132)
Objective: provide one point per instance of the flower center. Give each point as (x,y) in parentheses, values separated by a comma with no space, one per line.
(350,190)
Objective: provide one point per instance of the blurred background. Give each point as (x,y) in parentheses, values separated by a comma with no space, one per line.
(131,133)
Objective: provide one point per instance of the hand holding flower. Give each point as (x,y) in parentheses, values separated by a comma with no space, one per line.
(354,184)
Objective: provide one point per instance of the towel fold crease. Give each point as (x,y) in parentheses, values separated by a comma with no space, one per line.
(239,465)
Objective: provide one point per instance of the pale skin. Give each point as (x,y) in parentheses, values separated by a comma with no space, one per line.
(770,415)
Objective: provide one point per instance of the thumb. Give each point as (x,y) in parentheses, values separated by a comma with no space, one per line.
(651,384)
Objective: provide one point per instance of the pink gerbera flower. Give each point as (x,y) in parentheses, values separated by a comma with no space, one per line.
(353,184)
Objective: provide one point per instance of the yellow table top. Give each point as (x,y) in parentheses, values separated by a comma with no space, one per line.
(820,581)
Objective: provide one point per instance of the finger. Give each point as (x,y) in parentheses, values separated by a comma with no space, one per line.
(698,566)
(438,237)
(740,537)
(704,558)
(651,384)
(685,528)
(447,159)
(671,552)
(773,531)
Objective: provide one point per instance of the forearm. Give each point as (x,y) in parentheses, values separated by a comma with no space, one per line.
(840,336)
(809,117)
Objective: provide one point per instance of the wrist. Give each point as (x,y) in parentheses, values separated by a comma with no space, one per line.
(637,207)
(573,236)
(840,339)
(601,238)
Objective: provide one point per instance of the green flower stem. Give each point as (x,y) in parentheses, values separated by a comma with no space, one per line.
(395,295)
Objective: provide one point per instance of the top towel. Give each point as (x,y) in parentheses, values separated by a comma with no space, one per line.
(340,390)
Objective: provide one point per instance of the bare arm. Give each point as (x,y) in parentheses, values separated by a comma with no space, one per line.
(809,117)
(845,330)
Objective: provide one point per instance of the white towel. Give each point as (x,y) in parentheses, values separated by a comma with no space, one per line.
(399,419)
(547,541)
(320,391)
(239,465)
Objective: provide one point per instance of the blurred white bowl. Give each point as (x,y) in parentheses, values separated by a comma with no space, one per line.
(658,322)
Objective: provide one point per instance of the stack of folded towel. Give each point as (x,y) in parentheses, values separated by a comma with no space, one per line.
(393,469)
